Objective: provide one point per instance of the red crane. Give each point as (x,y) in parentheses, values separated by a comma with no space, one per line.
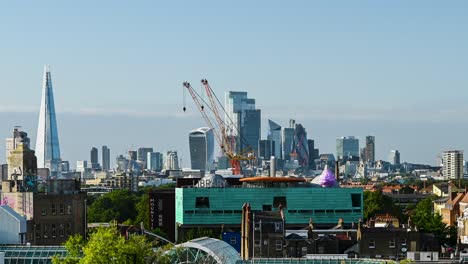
(215,122)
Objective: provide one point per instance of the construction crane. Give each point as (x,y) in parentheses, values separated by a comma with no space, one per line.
(210,112)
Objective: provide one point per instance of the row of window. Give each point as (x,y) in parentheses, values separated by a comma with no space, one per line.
(278,244)
(61,209)
(319,211)
(52,230)
(391,242)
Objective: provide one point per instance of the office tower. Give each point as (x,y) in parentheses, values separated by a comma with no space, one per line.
(362,154)
(201,144)
(47,143)
(313,153)
(94,159)
(172,160)
(18,137)
(65,166)
(300,147)
(242,120)
(287,136)
(274,135)
(122,163)
(132,155)
(394,157)
(81,165)
(143,153)
(266,149)
(105,158)
(347,147)
(453,164)
(370,149)
(154,161)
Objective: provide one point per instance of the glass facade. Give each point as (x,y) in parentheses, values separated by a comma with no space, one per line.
(347,147)
(201,142)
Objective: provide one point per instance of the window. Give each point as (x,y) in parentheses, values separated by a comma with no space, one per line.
(266,207)
(233,240)
(54,231)
(279,244)
(202,202)
(61,209)
(403,241)
(277,226)
(304,251)
(217,211)
(38,231)
(68,228)
(46,231)
(160,204)
(391,243)
(44,211)
(279,200)
(54,212)
(160,220)
(356,199)
(238,211)
(371,243)
(69,209)
(61,230)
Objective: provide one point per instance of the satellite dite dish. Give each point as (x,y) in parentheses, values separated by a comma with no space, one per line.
(403,250)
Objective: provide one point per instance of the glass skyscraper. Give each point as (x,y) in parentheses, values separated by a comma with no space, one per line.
(201,142)
(47,142)
(347,147)
(274,135)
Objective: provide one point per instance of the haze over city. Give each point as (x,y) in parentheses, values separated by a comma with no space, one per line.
(393,70)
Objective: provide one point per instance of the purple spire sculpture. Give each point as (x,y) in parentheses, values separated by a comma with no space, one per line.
(327,179)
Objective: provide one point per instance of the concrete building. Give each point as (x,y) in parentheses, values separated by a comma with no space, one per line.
(394,157)
(370,149)
(172,161)
(347,147)
(94,159)
(452,164)
(105,158)
(201,144)
(47,142)
(18,137)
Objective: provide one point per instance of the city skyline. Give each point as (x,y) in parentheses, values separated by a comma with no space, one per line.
(382,69)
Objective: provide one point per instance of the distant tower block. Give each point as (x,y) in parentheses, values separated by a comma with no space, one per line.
(47,143)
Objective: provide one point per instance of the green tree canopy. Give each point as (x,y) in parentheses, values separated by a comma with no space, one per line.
(117,205)
(106,245)
(377,203)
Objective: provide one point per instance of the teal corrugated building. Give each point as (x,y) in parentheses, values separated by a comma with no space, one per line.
(222,207)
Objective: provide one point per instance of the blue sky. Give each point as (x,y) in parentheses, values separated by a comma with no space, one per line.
(361,64)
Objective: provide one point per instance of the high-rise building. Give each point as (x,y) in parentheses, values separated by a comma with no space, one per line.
(132,154)
(266,149)
(94,158)
(274,135)
(201,144)
(370,149)
(105,158)
(122,163)
(242,120)
(394,157)
(47,143)
(143,153)
(154,161)
(300,147)
(313,153)
(172,160)
(453,164)
(18,137)
(347,147)
(287,136)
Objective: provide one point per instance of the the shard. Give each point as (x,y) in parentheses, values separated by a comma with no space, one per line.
(47,143)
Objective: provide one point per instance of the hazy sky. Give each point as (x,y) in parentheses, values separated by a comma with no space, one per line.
(393,69)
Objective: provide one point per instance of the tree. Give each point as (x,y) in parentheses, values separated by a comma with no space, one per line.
(117,205)
(429,222)
(377,203)
(106,245)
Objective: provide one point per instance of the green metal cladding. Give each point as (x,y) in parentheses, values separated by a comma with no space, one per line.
(224,205)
